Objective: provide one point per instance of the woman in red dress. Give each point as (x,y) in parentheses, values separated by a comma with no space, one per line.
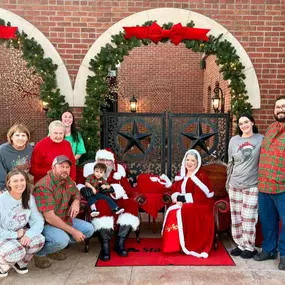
(189,222)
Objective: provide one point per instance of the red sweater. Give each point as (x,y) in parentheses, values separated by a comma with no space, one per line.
(45,152)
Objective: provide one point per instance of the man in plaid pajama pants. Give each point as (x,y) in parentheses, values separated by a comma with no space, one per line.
(271,186)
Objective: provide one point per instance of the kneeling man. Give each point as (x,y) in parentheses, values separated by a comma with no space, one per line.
(59,200)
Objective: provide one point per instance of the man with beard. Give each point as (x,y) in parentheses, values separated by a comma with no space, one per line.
(106,222)
(59,200)
(271,186)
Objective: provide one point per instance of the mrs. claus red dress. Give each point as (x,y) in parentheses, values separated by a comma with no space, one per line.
(190,227)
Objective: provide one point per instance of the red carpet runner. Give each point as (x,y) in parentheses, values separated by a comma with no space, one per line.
(147,253)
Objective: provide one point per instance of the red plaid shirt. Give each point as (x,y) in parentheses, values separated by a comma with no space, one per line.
(56,195)
(271,173)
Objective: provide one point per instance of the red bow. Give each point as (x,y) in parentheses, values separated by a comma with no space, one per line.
(176,34)
(7,32)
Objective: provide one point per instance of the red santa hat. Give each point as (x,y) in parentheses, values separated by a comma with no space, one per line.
(108,153)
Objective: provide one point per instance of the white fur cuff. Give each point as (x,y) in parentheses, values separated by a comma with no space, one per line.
(119,191)
(178,178)
(128,219)
(189,198)
(174,196)
(103,223)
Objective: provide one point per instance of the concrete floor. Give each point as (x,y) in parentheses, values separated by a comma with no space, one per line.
(79,269)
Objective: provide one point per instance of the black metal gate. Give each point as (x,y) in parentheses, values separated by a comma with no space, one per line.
(154,143)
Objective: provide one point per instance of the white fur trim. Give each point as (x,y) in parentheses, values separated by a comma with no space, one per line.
(154,179)
(202,186)
(174,196)
(103,223)
(127,219)
(119,191)
(178,178)
(164,177)
(88,169)
(188,198)
(125,197)
(79,186)
(121,170)
(182,240)
(104,154)
(117,176)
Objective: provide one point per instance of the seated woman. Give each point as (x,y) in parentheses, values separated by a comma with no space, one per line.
(18,242)
(16,153)
(189,223)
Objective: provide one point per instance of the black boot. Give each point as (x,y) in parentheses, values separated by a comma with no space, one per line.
(104,236)
(124,232)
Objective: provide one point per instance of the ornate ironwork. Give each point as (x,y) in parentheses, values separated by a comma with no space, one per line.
(140,139)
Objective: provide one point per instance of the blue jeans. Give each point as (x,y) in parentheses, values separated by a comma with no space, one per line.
(100,196)
(57,239)
(271,209)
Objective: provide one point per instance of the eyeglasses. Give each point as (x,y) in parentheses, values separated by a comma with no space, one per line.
(282,108)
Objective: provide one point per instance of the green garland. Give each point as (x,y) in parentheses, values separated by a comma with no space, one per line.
(110,55)
(33,54)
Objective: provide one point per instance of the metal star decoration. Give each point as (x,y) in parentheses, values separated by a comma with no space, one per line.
(199,138)
(134,138)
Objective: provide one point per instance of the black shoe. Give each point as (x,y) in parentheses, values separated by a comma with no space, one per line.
(118,210)
(264,256)
(281,265)
(20,270)
(247,254)
(236,251)
(3,274)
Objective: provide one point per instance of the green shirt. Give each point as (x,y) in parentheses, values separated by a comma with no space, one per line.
(77,147)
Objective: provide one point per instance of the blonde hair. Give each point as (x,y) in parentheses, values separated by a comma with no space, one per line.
(56,124)
(21,128)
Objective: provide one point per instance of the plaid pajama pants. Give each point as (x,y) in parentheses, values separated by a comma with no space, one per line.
(13,252)
(244,207)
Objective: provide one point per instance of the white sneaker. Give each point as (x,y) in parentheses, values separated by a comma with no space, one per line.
(2,275)
(94,214)
(20,270)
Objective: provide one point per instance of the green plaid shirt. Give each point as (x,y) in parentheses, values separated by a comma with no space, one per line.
(95,182)
(271,173)
(56,195)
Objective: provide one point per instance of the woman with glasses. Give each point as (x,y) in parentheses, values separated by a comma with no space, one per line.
(244,151)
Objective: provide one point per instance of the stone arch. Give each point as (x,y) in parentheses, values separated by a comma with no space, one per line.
(63,79)
(174,15)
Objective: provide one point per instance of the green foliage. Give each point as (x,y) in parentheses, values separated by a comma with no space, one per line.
(33,54)
(110,55)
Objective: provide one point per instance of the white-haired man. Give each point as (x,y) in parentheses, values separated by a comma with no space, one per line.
(106,222)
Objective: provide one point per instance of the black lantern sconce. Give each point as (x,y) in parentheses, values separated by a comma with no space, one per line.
(218,100)
(133,104)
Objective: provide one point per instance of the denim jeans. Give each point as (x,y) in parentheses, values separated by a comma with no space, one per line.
(99,196)
(57,239)
(271,210)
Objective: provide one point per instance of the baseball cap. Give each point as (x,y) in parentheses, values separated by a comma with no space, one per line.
(61,159)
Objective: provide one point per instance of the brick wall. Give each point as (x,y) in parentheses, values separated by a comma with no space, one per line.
(73,26)
(162,77)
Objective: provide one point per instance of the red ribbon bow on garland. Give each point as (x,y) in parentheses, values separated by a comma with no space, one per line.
(8,32)
(176,34)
